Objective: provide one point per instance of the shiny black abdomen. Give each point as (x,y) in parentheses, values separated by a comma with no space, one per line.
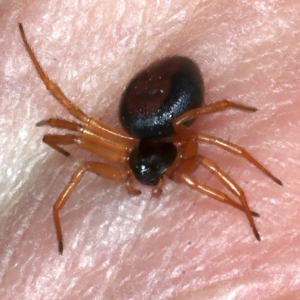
(155,96)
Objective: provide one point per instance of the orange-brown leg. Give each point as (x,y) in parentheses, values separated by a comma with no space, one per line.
(91,124)
(93,144)
(51,85)
(157,190)
(100,169)
(130,189)
(184,133)
(102,131)
(211,108)
(229,183)
(209,191)
(60,123)
(53,140)
(235,149)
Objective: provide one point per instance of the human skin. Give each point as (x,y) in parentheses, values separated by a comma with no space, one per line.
(183,245)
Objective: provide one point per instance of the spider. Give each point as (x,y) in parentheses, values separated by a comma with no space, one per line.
(156,109)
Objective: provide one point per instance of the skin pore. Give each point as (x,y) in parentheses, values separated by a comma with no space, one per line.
(183,245)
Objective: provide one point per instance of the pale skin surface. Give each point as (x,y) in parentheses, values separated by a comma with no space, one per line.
(183,245)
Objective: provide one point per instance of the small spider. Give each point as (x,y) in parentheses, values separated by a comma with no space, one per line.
(156,109)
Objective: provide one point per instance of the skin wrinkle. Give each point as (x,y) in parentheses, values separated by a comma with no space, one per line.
(183,245)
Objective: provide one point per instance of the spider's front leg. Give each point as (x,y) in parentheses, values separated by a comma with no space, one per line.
(99,169)
(209,191)
(197,160)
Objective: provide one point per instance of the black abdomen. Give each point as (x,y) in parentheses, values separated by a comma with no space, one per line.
(158,94)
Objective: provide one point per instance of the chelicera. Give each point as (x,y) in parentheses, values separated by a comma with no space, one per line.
(156,110)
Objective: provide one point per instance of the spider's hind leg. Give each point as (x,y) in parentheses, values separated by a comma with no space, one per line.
(51,86)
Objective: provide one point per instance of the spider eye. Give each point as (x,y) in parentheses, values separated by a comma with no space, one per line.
(150,159)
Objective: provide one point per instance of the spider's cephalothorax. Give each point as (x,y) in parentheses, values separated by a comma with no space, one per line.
(156,109)
(150,159)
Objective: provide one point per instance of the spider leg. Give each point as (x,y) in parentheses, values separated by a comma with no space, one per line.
(99,169)
(51,85)
(229,183)
(235,149)
(88,142)
(130,177)
(53,140)
(60,123)
(130,189)
(211,108)
(182,130)
(210,191)
(157,190)
(92,125)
